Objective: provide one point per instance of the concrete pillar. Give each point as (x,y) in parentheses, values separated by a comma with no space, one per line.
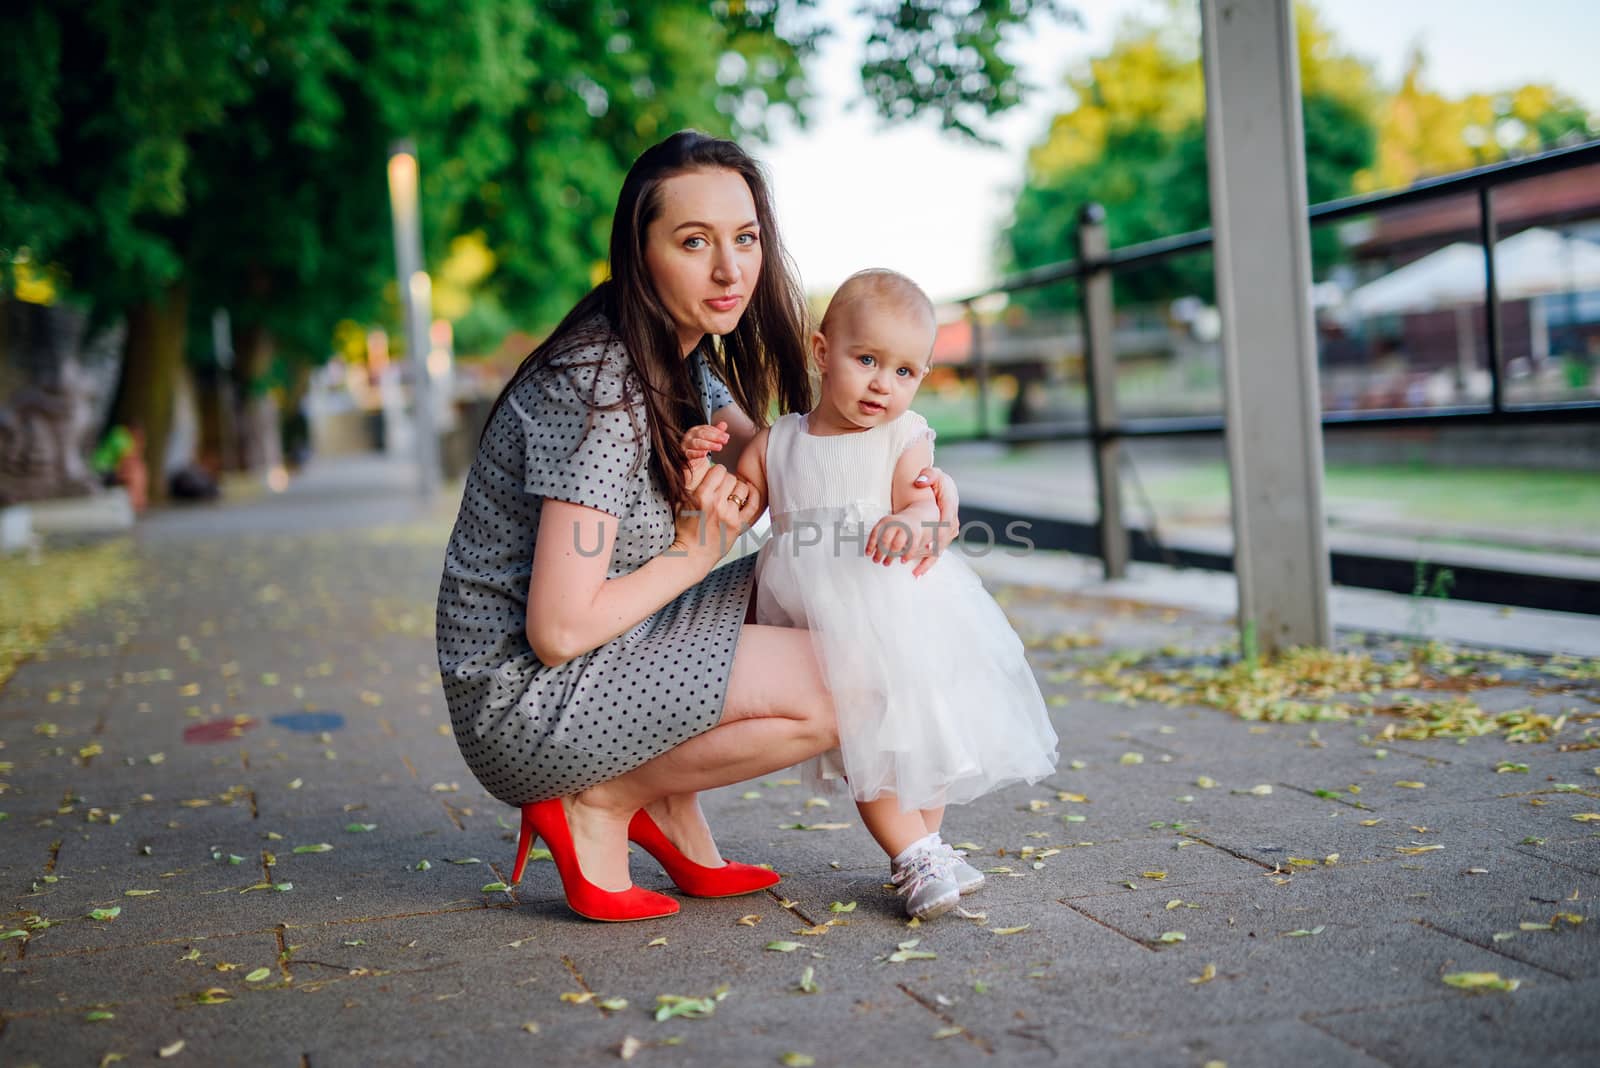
(416,293)
(1256,149)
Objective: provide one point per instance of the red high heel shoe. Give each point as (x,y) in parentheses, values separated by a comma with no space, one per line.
(697,880)
(548,820)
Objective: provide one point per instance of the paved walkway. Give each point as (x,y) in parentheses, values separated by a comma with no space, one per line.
(237,830)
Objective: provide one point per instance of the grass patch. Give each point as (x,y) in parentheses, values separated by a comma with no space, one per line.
(1489,497)
(954,413)
(41,596)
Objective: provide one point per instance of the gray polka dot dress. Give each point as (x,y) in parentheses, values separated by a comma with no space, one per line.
(531,732)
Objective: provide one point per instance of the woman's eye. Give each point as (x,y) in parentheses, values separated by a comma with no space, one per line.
(747,239)
(694,243)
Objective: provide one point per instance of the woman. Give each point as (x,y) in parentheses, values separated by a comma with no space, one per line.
(599,671)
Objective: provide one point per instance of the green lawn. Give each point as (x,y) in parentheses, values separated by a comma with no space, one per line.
(1491,497)
(955,414)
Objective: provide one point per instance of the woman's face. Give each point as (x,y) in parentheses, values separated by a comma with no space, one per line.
(703,252)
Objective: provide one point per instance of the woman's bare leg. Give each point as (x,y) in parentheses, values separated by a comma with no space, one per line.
(684,823)
(777,712)
(679,815)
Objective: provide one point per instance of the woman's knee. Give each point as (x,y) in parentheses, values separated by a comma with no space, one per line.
(776,674)
(816,717)
(808,710)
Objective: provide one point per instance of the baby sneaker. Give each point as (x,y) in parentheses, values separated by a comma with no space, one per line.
(928,883)
(968,878)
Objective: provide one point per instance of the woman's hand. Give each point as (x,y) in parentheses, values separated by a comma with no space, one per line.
(700,441)
(720,507)
(949,502)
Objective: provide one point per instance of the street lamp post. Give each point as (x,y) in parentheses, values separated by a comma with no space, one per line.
(416,298)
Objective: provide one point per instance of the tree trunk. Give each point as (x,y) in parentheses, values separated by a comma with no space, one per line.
(213,422)
(152,360)
(260,435)
(253,347)
(292,420)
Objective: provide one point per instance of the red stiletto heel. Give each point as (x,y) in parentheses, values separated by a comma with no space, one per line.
(548,820)
(697,880)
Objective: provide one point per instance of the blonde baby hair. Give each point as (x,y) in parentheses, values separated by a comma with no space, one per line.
(878,284)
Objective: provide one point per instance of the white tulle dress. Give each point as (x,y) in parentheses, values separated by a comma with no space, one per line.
(935,700)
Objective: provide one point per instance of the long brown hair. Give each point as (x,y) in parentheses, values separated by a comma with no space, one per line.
(763,360)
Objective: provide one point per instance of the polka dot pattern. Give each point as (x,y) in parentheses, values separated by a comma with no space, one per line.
(528,731)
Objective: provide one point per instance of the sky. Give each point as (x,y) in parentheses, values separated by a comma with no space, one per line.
(853,193)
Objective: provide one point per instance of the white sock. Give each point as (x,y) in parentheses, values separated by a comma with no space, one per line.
(921,844)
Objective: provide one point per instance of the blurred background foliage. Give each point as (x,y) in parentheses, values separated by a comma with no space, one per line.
(165,159)
(1135,141)
(171,157)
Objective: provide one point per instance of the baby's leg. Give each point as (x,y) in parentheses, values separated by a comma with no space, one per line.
(933,819)
(891,827)
(922,868)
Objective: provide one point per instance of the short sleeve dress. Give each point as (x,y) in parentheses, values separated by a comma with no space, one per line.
(530,732)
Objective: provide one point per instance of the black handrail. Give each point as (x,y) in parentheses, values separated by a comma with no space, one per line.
(1474,181)
(1104,433)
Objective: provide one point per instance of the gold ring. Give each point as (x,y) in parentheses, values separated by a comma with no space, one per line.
(737,501)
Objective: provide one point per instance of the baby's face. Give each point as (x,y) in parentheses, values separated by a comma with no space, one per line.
(872,362)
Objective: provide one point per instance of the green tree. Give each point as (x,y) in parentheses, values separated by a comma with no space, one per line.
(176,156)
(947,57)
(95,159)
(1423,133)
(1135,142)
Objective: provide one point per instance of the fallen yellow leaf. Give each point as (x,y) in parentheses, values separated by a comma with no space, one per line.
(1481,981)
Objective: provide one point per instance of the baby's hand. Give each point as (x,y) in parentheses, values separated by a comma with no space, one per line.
(700,441)
(899,535)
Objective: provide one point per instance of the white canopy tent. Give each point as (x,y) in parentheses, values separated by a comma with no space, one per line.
(1533,263)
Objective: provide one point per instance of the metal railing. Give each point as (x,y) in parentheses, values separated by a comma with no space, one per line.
(1095,267)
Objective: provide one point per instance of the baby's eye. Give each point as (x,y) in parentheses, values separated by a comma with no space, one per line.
(903,372)
(866,361)
(694,243)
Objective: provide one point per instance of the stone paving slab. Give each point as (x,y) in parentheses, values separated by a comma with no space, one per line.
(69,984)
(1531,1029)
(1566,951)
(133,714)
(1239,1046)
(1579,854)
(1256,980)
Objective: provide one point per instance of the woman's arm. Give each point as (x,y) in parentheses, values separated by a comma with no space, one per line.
(573,608)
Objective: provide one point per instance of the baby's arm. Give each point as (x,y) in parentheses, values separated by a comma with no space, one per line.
(753,469)
(740,433)
(909,529)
